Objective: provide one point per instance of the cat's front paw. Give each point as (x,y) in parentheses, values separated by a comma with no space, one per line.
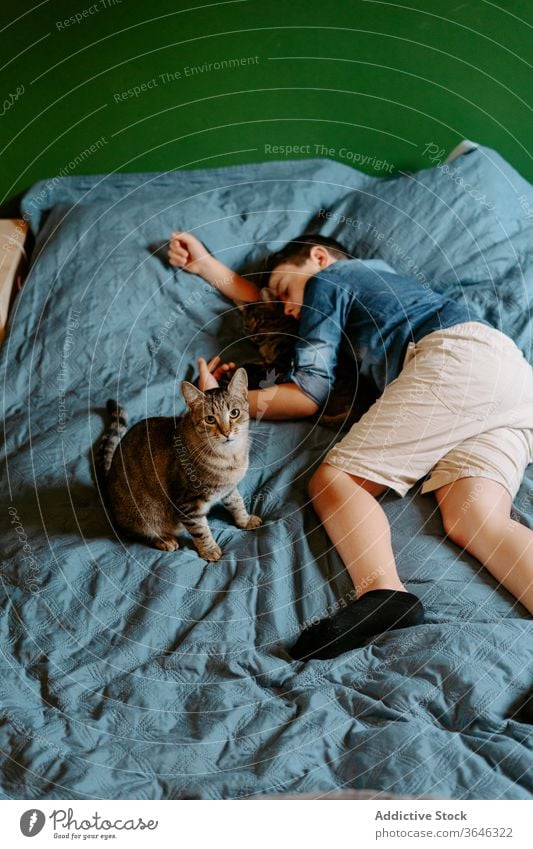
(253,522)
(210,552)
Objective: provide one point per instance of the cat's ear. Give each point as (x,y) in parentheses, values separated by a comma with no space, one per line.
(191,393)
(238,383)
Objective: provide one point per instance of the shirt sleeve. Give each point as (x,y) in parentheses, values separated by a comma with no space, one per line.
(323,319)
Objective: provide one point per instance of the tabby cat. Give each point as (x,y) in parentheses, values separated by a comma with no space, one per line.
(163,475)
(275,334)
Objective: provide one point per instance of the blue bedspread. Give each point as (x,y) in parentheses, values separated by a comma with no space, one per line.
(132,673)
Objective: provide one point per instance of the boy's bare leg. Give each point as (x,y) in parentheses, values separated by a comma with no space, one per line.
(476,514)
(359,529)
(357,526)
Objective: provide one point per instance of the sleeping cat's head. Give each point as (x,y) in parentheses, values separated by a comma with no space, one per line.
(219,416)
(267,327)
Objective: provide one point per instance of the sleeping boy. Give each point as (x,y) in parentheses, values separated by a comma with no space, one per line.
(456,408)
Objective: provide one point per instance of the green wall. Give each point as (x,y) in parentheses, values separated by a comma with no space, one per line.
(362,77)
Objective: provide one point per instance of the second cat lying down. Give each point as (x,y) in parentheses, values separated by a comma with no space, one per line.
(275,334)
(163,475)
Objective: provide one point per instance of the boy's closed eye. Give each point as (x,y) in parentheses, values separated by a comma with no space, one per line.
(279,288)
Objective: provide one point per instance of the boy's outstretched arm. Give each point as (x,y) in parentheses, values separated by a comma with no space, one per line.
(187,252)
(282,401)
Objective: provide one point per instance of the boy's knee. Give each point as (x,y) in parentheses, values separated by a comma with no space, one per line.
(470,527)
(323,478)
(456,531)
(460,526)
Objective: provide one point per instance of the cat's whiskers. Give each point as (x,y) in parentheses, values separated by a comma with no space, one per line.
(215,448)
(200,453)
(259,440)
(195,450)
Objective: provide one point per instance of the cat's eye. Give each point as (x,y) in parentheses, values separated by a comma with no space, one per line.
(235,413)
(210,419)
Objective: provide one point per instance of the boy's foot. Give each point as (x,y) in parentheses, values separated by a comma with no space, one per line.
(375,612)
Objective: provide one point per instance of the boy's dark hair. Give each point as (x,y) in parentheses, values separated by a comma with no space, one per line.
(298,250)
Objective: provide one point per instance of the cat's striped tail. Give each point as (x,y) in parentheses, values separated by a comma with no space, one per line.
(115,430)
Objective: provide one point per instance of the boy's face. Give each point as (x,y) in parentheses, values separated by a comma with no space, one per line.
(288,280)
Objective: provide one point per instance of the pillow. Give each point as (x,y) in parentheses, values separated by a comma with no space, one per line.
(464,227)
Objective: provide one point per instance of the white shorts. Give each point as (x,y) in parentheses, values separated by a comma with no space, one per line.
(462,406)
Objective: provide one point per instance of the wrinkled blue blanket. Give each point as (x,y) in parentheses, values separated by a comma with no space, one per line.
(132,673)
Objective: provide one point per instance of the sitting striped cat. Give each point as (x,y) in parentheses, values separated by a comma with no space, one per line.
(275,335)
(163,475)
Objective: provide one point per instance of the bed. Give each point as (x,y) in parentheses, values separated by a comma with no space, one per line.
(130,673)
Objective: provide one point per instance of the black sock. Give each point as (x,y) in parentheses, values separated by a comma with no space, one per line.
(375,612)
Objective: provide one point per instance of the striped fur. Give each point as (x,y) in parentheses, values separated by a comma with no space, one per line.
(167,472)
(115,430)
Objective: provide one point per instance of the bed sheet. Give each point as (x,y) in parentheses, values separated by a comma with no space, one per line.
(132,673)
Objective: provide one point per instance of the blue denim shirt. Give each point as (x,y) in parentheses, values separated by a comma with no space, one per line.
(372,312)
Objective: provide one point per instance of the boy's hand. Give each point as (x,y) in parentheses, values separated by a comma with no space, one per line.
(211,372)
(187,252)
